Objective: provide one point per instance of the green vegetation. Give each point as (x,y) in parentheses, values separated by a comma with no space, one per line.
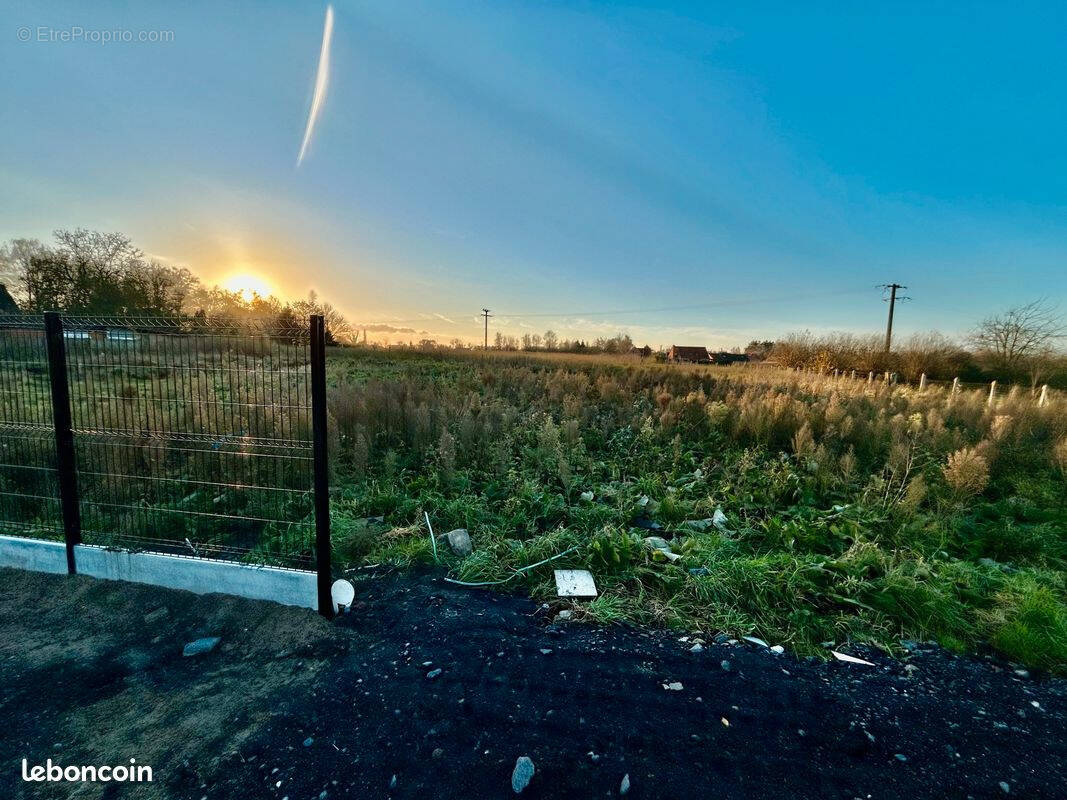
(868,513)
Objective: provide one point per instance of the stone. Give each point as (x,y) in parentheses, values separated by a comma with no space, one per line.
(778,649)
(900,757)
(673,686)
(587,497)
(564,615)
(308,742)
(755,640)
(392,783)
(200,646)
(460,542)
(624,784)
(152,617)
(725,665)
(1005,787)
(433,673)
(697,648)
(522,774)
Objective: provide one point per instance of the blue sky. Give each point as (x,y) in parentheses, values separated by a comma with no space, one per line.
(691,173)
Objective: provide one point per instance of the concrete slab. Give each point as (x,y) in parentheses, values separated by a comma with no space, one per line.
(285,586)
(33,554)
(575,583)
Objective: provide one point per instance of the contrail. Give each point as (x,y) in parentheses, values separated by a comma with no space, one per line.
(322,78)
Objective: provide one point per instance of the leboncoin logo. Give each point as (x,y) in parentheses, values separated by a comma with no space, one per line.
(120,773)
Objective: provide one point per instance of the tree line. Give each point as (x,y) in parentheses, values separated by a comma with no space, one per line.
(1022,344)
(91,273)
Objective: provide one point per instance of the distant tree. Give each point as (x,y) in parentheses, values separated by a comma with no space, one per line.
(338,329)
(1021,340)
(89,272)
(551,340)
(758,350)
(15,261)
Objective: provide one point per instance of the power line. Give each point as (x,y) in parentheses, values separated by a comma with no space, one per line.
(729,303)
(892,300)
(486,314)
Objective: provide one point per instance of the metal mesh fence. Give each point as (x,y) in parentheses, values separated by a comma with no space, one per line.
(191,437)
(29,493)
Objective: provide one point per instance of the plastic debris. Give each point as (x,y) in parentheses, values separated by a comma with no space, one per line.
(851,659)
(660,545)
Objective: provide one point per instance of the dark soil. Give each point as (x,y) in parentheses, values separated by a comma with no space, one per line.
(86,678)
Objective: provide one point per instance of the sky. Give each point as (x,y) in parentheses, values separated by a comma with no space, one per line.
(692,173)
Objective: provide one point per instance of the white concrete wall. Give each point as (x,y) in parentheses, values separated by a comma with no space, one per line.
(33,554)
(288,587)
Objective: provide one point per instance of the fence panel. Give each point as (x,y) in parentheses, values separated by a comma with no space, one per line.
(29,486)
(192,437)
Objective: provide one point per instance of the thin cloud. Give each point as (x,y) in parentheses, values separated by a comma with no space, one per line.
(322,79)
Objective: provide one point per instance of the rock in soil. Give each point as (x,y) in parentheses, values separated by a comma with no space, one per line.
(460,542)
(201,646)
(522,774)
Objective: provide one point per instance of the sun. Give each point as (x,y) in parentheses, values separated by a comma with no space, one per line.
(248,286)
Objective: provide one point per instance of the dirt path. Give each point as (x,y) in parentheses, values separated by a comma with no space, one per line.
(92,672)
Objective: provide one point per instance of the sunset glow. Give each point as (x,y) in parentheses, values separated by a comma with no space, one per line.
(248,285)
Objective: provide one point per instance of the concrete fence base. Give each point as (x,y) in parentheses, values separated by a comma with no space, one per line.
(285,586)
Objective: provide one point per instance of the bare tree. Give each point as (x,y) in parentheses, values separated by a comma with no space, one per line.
(1021,340)
(16,264)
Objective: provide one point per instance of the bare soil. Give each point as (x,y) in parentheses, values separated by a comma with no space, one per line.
(291,706)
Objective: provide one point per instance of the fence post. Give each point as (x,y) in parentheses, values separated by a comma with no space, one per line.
(322,474)
(922,382)
(1043,399)
(992,393)
(66,466)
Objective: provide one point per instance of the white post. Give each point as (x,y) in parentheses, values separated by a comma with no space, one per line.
(870,376)
(887,376)
(922,382)
(1043,399)
(955,385)
(992,393)
(853,374)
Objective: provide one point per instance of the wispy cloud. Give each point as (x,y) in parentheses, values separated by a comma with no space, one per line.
(322,79)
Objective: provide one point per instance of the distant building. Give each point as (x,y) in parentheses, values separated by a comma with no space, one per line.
(7,302)
(644,352)
(688,355)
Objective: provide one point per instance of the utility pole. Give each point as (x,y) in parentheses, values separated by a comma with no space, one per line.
(486,314)
(892,299)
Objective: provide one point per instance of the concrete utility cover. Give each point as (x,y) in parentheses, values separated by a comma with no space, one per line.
(575,583)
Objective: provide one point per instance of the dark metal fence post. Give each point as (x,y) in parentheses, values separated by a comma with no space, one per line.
(66,466)
(322,477)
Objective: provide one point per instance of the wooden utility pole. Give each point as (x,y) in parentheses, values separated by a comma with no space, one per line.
(892,287)
(486,314)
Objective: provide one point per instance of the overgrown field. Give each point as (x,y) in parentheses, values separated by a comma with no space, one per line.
(868,513)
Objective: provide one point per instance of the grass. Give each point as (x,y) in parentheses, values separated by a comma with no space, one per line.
(853,511)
